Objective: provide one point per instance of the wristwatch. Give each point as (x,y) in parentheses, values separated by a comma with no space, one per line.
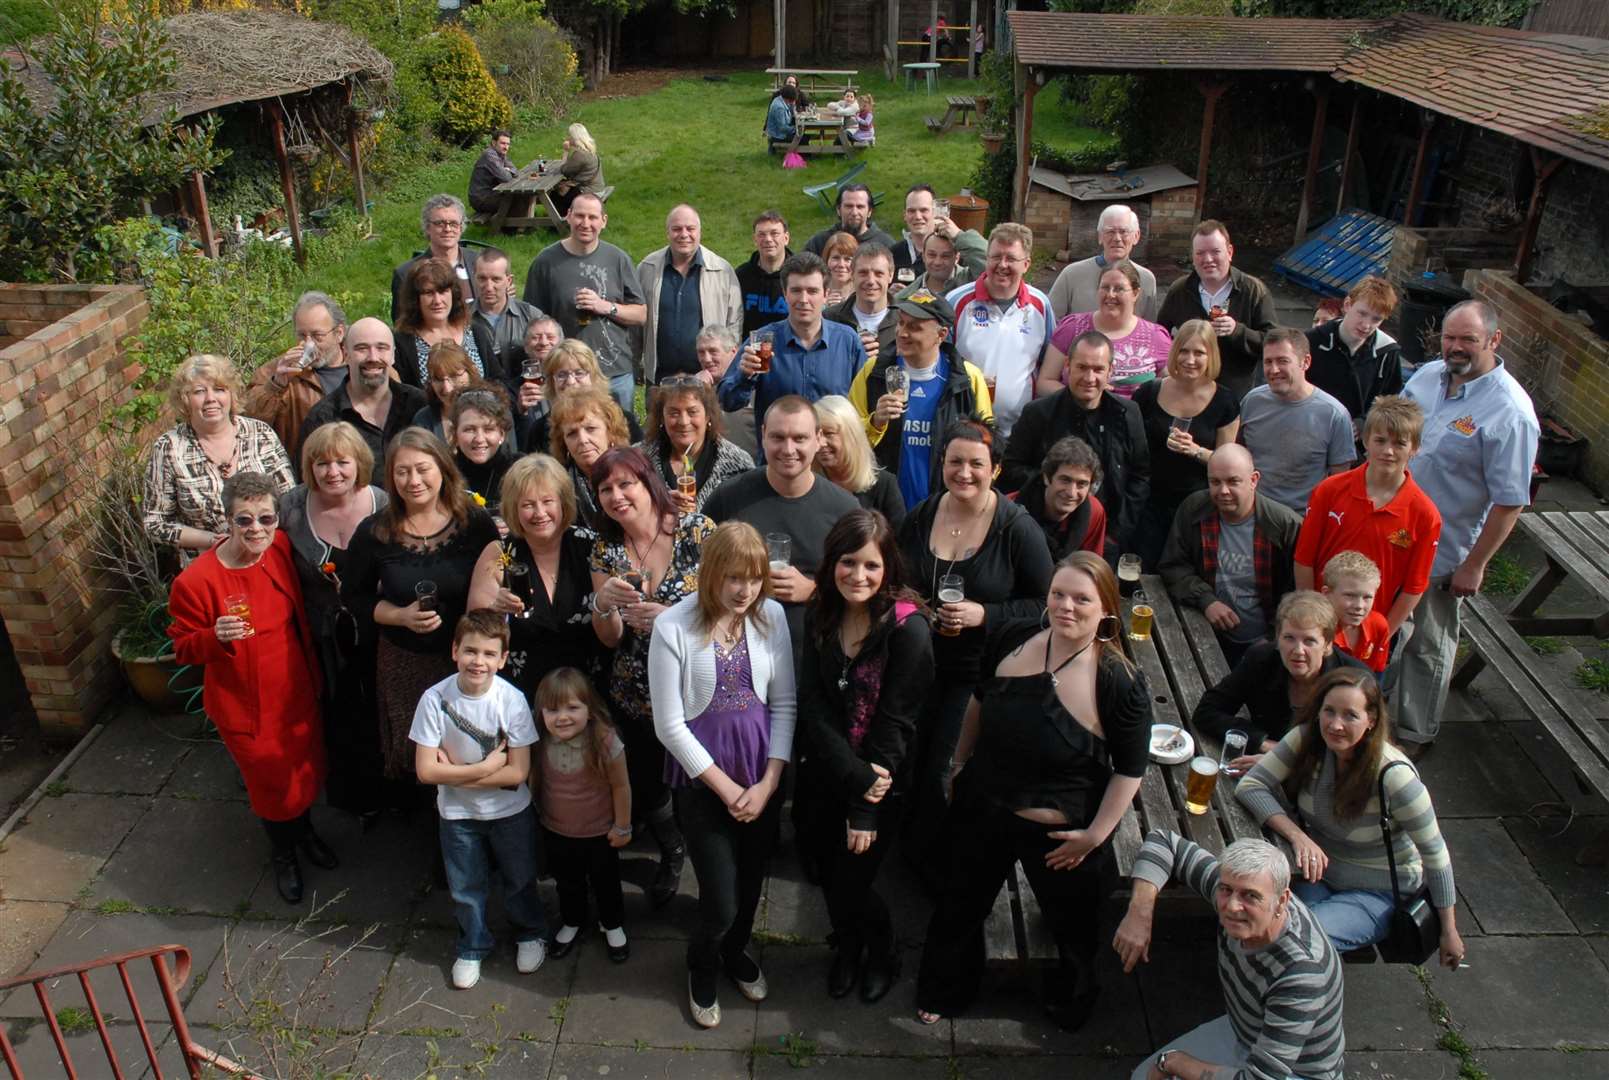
(614,309)
(618,831)
(1162,1063)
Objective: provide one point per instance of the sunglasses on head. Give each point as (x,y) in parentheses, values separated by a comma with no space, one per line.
(245,521)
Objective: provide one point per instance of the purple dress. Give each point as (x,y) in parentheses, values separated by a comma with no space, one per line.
(736,726)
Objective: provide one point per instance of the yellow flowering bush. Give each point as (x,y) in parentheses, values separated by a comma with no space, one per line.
(471,103)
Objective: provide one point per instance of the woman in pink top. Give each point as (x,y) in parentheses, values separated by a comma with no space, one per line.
(1139,346)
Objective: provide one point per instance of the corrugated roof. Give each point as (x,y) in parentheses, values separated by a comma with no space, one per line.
(1534,87)
(1547,90)
(1098,42)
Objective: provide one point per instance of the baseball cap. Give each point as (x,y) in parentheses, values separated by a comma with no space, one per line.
(923,304)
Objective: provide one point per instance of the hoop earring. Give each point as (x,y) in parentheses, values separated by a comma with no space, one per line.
(1044,620)
(1108,628)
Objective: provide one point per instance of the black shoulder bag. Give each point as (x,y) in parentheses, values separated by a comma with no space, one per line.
(1415,931)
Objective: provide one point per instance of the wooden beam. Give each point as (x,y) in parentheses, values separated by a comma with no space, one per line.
(1351,152)
(779,16)
(1543,166)
(1212,91)
(972,57)
(933,32)
(198,197)
(1025,127)
(287,178)
(1421,157)
(1315,151)
(354,149)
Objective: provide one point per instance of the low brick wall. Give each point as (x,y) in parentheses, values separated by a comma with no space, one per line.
(1166,221)
(1564,364)
(61,366)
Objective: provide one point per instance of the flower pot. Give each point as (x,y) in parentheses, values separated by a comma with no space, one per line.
(992,140)
(152,679)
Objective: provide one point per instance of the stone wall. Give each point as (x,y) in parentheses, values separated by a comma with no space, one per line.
(1562,363)
(61,367)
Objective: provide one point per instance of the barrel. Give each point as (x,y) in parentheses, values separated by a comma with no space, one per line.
(969,212)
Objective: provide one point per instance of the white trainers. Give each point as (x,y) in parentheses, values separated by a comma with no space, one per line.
(466,973)
(530,955)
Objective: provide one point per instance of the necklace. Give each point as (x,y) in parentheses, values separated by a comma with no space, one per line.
(1052,672)
(967,523)
(849,661)
(729,633)
(642,559)
(227,465)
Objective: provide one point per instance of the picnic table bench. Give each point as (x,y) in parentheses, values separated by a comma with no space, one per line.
(820,134)
(961,108)
(1180,660)
(528,200)
(812,80)
(1575,545)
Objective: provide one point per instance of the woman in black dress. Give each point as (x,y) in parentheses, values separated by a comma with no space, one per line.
(1051,755)
(867,668)
(411,566)
(540,576)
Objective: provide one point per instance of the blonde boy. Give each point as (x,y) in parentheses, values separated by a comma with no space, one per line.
(1350,581)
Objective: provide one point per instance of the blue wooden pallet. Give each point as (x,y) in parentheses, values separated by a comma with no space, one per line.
(1345,249)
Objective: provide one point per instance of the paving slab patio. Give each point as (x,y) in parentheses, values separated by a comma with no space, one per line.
(63,843)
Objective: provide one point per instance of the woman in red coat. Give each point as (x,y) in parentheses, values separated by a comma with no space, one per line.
(237,610)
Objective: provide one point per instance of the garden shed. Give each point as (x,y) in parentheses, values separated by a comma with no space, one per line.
(310,84)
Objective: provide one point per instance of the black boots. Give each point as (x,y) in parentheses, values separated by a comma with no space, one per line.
(672,855)
(288,837)
(288,877)
(317,851)
(848,962)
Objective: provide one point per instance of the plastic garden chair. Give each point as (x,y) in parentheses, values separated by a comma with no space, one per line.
(826,195)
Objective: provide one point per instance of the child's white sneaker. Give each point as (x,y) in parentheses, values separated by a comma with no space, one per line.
(466,973)
(529,956)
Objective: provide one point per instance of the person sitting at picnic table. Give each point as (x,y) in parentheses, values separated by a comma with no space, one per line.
(793,81)
(443,223)
(839,255)
(1280,976)
(1139,346)
(847,459)
(433,313)
(585,424)
(864,133)
(450,371)
(1065,506)
(1055,743)
(581,168)
(237,613)
(493,167)
(781,116)
(1275,680)
(847,105)
(1337,760)
(685,436)
(189,463)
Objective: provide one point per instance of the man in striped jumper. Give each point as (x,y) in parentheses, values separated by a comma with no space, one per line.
(1281,978)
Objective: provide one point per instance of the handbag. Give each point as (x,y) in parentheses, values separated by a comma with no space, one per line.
(1415,930)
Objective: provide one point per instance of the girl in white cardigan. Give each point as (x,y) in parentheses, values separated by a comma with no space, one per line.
(720,670)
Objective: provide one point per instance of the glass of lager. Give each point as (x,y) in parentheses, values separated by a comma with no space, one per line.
(1198,789)
(1140,616)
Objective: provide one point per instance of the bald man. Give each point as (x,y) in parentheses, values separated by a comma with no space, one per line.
(686,287)
(1230,552)
(371,398)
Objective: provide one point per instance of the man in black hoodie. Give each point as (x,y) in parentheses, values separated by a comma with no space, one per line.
(761,277)
(1109,424)
(1354,360)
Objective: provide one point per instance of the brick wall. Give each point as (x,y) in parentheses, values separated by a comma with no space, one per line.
(1563,364)
(61,367)
(1060,223)
(1167,235)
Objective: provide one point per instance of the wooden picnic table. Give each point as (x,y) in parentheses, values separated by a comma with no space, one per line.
(961,108)
(1575,545)
(817,133)
(837,79)
(528,200)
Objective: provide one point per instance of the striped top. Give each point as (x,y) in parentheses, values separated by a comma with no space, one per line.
(1284,1000)
(1357,854)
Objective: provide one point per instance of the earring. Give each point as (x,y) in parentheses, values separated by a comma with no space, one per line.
(1108,628)
(1044,620)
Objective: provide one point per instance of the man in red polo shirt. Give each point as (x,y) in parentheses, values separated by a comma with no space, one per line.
(1378,510)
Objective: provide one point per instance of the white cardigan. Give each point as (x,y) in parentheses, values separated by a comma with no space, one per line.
(681,679)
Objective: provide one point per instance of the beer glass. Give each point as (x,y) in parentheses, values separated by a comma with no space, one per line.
(952,590)
(687,484)
(1234,747)
(899,382)
(779,551)
(239,605)
(765,344)
(1128,574)
(517,579)
(1198,789)
(1140,616)
(425,592)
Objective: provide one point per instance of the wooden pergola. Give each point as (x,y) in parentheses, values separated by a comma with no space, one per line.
(779,18)
(1543,90)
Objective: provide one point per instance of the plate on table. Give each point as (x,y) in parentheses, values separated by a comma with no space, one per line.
(1171,744)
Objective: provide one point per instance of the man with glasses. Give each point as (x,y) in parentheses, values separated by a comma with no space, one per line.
(370,398)
(1002,322)
(284,390)
(443,224)
(854,218)
(761,277)
(1077,287)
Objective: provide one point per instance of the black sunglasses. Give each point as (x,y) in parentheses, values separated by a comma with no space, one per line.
(244,521)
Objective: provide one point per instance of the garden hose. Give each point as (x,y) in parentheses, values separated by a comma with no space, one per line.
(189,695)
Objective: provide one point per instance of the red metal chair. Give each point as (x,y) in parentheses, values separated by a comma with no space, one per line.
(169,980)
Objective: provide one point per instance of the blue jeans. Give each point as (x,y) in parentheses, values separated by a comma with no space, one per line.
(1352,918)
(468,849)
(623,388)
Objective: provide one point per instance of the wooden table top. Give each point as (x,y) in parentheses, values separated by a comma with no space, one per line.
(529,180)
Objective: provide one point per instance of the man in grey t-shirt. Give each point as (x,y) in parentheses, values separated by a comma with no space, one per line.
(591,288)
(1297,434)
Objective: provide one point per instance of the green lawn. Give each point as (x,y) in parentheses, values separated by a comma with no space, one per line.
(691,141)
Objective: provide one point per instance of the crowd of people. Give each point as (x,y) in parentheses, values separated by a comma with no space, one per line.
(857,554)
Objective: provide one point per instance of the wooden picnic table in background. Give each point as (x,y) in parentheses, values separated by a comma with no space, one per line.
(1576,546)
(530,190)
(819,133)
(813,80)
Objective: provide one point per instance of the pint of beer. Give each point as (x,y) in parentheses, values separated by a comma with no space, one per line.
(1128,574)
(952,590)
(1140,616)
(1198,790)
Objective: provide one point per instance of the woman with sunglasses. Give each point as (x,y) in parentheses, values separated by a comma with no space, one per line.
(237,612)
(1051,754)
(685,438)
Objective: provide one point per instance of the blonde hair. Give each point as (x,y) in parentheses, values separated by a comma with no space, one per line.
(1350,564)
(1012,232)
(536,471)
(340,439)
(580,354)
(1396,415)
(735,548)
(220,370)
(1196,330)
(577,406)
(582,138)
(1307,610)
(836,412)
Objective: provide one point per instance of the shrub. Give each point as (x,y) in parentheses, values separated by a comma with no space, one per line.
(471,103)
(531,58)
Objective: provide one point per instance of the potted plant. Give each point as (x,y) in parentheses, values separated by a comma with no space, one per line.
(996,102)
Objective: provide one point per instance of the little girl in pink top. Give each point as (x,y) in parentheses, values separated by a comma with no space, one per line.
(586,808)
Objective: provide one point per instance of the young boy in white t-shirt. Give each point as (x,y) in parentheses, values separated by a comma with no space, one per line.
(472,735)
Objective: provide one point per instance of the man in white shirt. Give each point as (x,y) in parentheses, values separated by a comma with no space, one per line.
(1002,323)
(1077,287)
(1297,434)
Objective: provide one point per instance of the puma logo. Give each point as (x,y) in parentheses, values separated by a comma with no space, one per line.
(1338,515)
